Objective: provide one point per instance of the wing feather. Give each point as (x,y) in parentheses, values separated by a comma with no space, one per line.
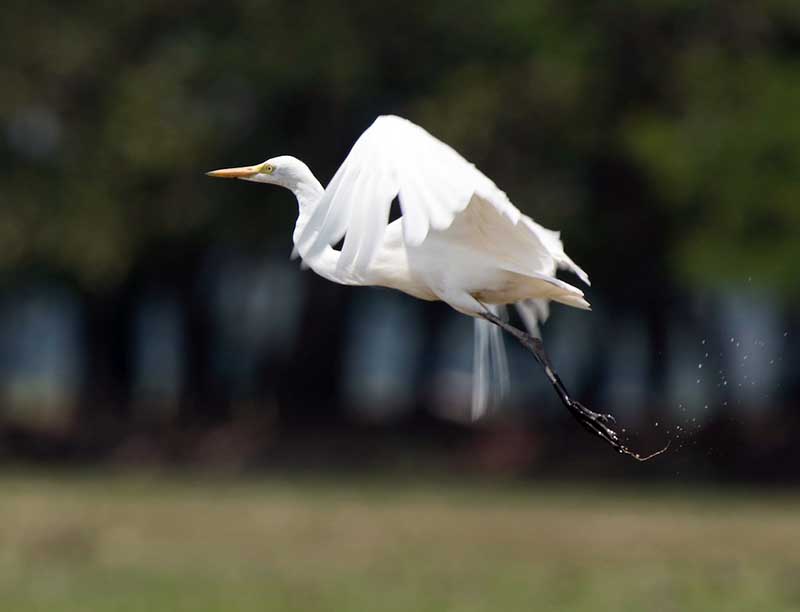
(328,223)
(377,188)
(396,158)
(552,242)
(392,157)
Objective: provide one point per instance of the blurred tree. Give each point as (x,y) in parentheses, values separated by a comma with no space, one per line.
(723,145)
(662,137)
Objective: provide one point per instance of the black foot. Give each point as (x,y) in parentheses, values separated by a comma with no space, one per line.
(600,425)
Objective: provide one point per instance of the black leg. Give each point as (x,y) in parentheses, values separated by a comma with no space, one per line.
(598,424)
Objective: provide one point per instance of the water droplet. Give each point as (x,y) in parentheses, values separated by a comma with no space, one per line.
(771,362)
(656,423)
(703,341)
(706,355)
(744,358)
(704,408)
(786,333)
(732,339)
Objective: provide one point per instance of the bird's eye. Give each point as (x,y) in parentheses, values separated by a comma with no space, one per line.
(267,168)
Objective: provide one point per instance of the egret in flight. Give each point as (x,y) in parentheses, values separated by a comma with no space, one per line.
(459,240)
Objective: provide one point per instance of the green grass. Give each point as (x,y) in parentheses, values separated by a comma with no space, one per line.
(126,543)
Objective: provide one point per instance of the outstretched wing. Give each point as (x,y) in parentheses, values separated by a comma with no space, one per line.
(394,158)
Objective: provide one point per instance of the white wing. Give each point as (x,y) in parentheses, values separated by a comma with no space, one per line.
(394,157)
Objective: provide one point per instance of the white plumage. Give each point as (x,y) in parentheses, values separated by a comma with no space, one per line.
(459,240)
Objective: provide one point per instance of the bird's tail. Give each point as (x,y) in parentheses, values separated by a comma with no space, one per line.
(490,367)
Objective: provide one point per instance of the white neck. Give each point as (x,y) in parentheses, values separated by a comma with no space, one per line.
(308,190)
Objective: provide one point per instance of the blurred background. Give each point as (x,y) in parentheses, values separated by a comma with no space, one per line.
(189,421)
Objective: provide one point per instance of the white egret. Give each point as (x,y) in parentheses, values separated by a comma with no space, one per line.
(459,240)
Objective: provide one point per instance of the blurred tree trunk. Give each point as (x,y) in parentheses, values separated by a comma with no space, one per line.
(180,268)
(106,388)
(311,389)
(635,275)
(434,322)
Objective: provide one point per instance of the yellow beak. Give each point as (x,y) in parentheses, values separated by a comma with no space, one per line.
(230,173)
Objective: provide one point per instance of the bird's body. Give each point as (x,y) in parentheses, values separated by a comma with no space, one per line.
(465,244)
(459,240)
(459,261)
(461,265)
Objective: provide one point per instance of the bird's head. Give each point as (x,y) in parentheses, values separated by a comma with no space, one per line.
(285,171)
